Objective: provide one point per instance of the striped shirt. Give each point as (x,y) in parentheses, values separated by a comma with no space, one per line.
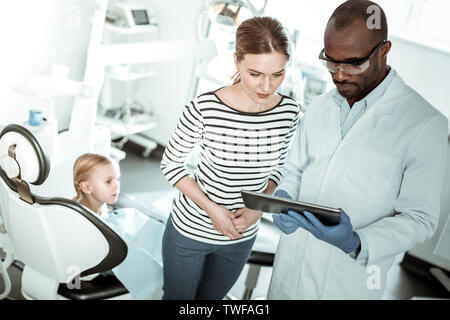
(239,151)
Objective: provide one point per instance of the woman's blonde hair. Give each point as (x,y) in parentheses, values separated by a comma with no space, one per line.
(83,167)
(260,35)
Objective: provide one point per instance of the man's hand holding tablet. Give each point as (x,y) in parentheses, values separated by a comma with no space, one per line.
(339,234)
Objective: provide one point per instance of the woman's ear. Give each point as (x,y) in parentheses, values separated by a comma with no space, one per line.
(85,187)
(236,63)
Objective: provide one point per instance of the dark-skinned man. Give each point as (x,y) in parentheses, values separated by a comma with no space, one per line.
(372,147)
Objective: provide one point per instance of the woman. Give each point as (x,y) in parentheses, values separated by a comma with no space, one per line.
(244,132)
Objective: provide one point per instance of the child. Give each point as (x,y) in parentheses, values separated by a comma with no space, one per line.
(97,183)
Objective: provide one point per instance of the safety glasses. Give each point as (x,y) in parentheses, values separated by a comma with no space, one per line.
(351,66)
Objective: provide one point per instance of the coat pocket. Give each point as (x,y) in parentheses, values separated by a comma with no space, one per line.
(350,280)
(383,180)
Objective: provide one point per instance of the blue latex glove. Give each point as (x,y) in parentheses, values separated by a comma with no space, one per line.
(284,225)
(282,194)
(340,235)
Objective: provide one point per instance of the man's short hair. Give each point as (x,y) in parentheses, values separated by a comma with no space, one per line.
(352,10)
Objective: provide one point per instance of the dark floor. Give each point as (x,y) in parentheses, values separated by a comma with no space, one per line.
(143,175)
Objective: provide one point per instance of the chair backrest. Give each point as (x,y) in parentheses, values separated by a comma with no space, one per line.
(55,237)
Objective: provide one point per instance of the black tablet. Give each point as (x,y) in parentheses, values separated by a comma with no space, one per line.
(271,204)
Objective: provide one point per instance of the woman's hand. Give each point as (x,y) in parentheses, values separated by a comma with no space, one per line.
(244,218)
(221,219)
(220,216)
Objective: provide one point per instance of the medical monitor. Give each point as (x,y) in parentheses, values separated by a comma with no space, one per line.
(140,17)
(135,17)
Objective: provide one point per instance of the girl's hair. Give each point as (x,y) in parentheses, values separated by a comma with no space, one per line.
(83,167)
(260,35)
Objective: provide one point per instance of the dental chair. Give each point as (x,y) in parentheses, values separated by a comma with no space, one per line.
(62,245)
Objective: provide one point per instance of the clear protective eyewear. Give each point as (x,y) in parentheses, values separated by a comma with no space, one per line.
(351,66)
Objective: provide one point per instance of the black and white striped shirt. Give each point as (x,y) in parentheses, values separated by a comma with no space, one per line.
(239,151)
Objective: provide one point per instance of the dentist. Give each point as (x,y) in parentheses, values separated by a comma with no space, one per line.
(373,147)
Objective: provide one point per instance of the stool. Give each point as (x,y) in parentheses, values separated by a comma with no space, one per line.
(256,260)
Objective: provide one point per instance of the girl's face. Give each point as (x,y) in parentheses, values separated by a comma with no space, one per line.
(261,75)
(104,183)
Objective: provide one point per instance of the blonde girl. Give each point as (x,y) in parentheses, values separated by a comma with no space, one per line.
(96,181)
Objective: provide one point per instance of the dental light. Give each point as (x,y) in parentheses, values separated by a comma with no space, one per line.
(230,13)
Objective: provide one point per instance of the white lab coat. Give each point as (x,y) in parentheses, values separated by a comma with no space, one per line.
(391,160)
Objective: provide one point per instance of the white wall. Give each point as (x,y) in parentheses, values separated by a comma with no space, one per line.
(35,35)
(425,69)
(426,251)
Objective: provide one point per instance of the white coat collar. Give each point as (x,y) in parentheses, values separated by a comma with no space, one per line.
(373,96)
(385,105)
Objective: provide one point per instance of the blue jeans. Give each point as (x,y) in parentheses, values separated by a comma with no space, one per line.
(198,270)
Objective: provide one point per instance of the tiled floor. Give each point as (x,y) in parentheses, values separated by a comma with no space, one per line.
(143,175)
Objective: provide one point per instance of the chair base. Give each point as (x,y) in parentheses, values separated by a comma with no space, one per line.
(99,288)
